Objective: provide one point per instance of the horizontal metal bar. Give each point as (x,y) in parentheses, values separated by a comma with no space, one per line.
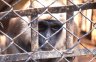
(44,55)
(36,11)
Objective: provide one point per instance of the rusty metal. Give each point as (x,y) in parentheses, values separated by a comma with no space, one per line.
(44,55)
(36,11)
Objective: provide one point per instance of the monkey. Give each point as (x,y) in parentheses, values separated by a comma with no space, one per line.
(46,28)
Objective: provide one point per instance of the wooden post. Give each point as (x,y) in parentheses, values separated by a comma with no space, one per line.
(93,34)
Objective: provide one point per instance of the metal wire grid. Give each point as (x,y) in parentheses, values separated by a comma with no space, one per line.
(46,42)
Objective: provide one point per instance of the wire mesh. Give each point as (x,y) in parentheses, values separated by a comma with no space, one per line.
(66,50)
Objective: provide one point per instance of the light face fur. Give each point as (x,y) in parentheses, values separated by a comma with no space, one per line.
(16,27)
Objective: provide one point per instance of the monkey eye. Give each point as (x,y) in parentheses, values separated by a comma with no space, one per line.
(55,28)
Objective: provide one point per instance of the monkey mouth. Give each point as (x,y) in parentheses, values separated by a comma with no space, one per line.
(47,47)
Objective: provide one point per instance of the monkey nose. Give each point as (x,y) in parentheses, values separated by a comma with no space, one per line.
(48,34)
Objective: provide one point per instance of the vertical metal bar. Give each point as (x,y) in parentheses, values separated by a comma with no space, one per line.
(34,35)
(69,26)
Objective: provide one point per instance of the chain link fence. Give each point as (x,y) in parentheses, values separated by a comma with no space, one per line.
(31,16)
